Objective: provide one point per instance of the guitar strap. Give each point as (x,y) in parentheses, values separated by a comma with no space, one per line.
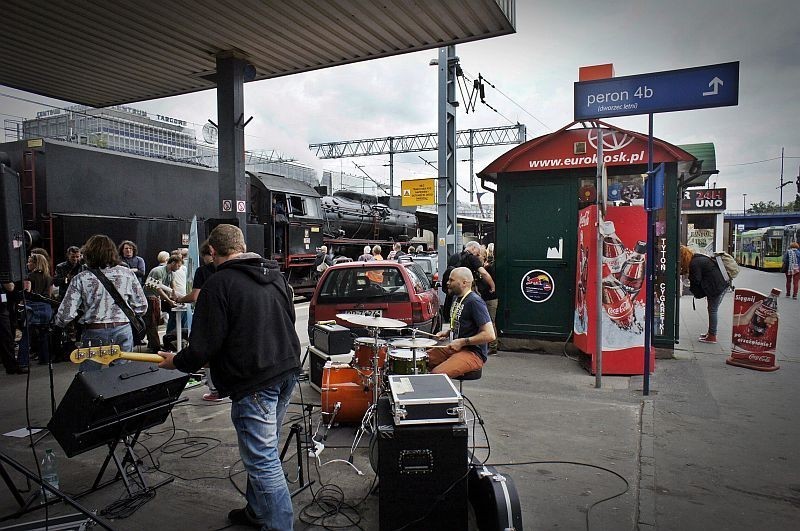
(112,290)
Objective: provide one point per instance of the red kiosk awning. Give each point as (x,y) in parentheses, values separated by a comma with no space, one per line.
(577,148)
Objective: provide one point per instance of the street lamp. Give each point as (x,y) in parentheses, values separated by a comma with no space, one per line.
(744,204)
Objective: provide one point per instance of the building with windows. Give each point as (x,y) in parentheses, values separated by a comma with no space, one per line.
(120,128)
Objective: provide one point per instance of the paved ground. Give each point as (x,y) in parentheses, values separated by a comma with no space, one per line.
(713,447)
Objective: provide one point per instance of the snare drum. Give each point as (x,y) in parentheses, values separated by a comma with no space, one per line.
(347,386)
(364,351)
(401,361)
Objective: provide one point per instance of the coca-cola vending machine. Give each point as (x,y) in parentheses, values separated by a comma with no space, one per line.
(623,291)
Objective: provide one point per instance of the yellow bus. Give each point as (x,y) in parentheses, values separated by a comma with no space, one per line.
(762,248)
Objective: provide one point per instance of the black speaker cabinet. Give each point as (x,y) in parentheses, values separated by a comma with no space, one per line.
(332,339)
(103,406)
(12,239)
(416,465)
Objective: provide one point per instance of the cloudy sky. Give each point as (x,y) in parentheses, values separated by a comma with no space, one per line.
(534,71)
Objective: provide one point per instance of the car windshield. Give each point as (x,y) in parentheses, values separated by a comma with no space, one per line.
(357,284)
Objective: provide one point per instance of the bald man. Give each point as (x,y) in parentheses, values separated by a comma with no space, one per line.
(470,330)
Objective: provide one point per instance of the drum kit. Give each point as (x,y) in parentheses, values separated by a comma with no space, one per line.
(350,391)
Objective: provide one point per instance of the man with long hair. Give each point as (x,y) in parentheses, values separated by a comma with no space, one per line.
(103,320)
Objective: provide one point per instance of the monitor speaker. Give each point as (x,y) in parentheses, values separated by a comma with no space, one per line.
(101,407)
(12,237)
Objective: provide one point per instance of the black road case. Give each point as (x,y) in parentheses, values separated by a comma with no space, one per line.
(423,474)
(425,399)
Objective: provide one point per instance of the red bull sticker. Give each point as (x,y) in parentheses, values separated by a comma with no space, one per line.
(537,285)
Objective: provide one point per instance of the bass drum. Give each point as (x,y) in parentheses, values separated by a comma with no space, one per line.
(347,387)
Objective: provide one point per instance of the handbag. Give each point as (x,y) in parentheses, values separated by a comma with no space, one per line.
(138,324)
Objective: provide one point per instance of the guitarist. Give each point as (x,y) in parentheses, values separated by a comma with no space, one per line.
(103,320)
(244,328)
(159,296)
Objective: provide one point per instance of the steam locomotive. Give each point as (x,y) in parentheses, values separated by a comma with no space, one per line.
(67,192)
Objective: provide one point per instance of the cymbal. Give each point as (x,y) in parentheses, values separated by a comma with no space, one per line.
(417,342)
(370,321)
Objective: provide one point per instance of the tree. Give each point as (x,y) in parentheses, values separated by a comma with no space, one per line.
(771,207)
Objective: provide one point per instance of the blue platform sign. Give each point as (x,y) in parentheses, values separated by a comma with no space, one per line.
(674,90)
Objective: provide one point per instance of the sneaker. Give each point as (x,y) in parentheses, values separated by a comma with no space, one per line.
(213,397)
(708,338)
(245,517)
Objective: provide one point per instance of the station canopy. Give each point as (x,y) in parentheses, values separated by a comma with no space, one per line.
(110,53)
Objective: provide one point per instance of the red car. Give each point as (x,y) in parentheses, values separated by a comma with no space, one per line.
(397,290)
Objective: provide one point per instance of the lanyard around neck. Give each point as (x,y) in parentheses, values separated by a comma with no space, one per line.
(457,309)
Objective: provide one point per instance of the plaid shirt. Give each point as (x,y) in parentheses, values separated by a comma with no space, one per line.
(86,294)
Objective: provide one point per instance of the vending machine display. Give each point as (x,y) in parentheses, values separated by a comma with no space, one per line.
(624,245)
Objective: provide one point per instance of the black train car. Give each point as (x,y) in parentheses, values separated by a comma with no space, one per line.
(69,192)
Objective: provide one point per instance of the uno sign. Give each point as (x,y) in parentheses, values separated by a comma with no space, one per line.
(704,199)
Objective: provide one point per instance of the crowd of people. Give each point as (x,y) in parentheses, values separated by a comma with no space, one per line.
(51,310)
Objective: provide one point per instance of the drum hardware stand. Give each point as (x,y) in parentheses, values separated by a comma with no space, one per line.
(414,351)
(45,432)
(370,416)
(297,432)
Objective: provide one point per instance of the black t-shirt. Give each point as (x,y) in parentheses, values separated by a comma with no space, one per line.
(467,316)
(483,286)
(202,274)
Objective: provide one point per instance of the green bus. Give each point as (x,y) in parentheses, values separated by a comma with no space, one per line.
(761,248)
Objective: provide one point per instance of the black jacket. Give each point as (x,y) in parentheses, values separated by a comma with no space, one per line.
(243,327)
(705,278)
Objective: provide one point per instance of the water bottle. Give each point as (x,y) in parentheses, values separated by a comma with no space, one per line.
(49,474)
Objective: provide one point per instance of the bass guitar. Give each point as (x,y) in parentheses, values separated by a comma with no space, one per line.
(105,354)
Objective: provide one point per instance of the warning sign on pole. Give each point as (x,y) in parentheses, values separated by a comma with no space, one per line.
(418,192)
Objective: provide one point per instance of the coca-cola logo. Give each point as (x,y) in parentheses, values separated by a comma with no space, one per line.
(620,310)
(760,359)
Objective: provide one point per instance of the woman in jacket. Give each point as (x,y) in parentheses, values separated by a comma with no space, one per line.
(705,281)
(38,313)
(791,267)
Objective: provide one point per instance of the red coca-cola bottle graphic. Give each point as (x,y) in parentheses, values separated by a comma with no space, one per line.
(768,308)
(582,280)
(617,301)
(633,270)
(613,249)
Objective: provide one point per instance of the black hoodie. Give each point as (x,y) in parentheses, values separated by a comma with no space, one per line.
(243,327)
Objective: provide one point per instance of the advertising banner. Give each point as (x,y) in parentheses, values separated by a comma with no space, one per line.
(623,288)
(755,329)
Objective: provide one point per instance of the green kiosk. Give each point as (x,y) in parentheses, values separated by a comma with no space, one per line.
(540,187)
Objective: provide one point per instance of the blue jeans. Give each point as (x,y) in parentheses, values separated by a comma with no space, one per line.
(119,335)
(38,315)
(713,312)
(258,418)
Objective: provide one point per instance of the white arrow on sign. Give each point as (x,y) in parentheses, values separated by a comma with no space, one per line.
(714,84)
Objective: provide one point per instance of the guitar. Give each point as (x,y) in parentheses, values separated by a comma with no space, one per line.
(154,284)
(108,353)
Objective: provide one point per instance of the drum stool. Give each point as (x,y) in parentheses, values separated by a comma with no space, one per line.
(472,375)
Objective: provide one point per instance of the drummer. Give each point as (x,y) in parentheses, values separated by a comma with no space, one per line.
(470,330)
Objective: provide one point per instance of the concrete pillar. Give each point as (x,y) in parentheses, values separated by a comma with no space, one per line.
(231,73)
